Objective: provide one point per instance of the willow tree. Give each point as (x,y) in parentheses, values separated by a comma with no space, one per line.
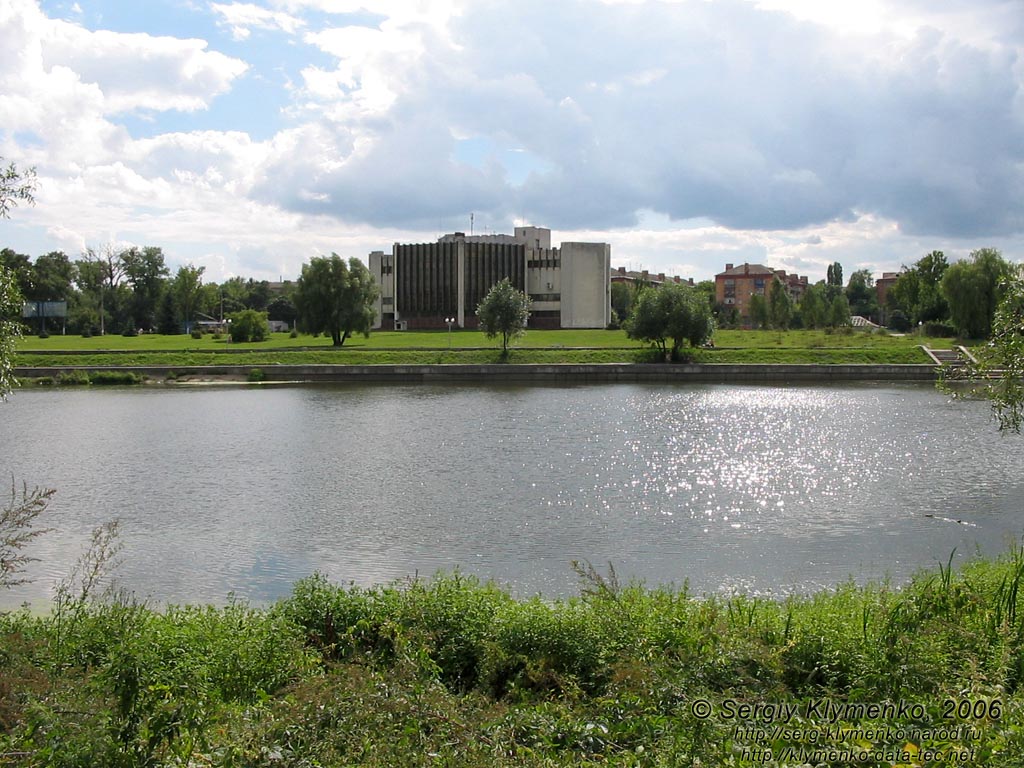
(672,313)
(335,298)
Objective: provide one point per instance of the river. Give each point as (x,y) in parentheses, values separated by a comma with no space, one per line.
(243,490)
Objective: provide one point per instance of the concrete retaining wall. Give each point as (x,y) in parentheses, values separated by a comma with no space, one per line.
(598,373)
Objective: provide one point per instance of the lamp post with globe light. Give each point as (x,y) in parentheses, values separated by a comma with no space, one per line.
(450,321)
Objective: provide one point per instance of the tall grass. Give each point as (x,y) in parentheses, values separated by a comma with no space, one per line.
(452,671)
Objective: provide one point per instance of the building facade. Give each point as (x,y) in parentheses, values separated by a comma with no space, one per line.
(736,285)
(424,284)
(623,275)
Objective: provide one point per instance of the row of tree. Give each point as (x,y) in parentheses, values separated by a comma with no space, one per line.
(964,295)
(132,289)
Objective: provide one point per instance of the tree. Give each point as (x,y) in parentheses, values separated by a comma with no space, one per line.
(10,328)
(503,312)
(1001,362)
(861,294)
(16,187)
(673,312)
(622,299)
(813,310)
(835,274)
(839,311)
(916,291)
(248,325)
(54,274)
(185,287)
(972,290)
(758,309)
(167,317)
(334,298)
(147,275)
(780,305)
(282,308)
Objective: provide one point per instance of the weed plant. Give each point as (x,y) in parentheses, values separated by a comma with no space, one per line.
(453,671)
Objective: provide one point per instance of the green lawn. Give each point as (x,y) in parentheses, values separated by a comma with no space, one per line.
(432,347)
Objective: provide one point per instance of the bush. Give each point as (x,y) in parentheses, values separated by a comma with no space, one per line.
(197,333)
(294,334)
(936,329)
(899,322)
(44,335)
(114,377)
(73,378)
(256,375)
(249,325)
(130,332)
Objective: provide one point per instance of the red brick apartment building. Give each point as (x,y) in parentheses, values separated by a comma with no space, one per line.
(735,286)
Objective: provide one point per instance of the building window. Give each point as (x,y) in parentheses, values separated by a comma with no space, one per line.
(388,301)
(545,297)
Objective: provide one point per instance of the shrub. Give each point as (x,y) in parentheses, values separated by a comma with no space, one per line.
(114,377)
(294,334)
(44,335)
(899,322)
(249,325)
(73,378)
(197,333)
(938,330)
(256,375)
(130,332)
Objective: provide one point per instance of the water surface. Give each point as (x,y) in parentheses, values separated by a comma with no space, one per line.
(766,489)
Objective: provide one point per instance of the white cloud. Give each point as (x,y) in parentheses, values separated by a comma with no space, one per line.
(242,18)
(794,134)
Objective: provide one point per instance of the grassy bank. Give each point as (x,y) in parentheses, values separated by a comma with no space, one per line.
(432,347)
(454,672)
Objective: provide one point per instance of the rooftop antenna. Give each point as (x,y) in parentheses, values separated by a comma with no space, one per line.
(470,224)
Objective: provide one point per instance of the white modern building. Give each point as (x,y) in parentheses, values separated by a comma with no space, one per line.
(423,284)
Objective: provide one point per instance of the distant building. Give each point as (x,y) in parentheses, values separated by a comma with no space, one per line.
(882,286)
(422,284)
(622,275)
(735,286)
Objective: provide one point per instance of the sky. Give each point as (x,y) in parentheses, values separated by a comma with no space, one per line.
(248,137)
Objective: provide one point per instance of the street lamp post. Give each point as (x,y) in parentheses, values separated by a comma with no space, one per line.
(451,321)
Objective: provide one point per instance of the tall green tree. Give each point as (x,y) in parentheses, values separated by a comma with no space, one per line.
(335,298)
(839,311)
(917,290)
(1000,367)
(813,310)
(622,295)
(834,275)
(972,289)
(861,294)
(780,305)
(760,317)
(10,328)
(673,313)
(15,186)
(186,288)
(54,276)
(147,275)
(20,267)
(503,312)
